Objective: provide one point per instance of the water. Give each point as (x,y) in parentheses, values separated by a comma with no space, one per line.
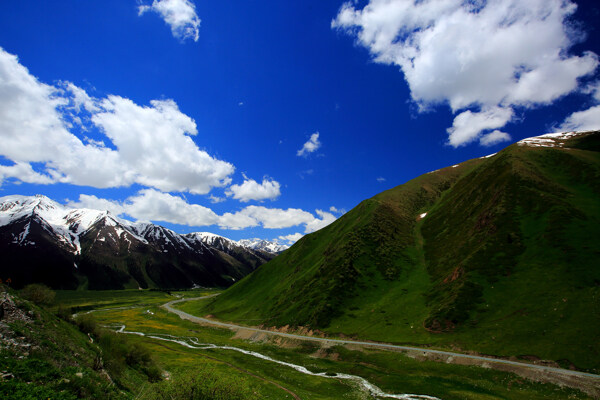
(193,343)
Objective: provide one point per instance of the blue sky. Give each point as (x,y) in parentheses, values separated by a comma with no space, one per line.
(271,118)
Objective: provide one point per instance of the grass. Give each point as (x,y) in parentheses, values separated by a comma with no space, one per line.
(59,362)
(504,263)
(82,300)
(392,372)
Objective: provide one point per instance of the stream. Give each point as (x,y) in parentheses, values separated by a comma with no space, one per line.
(193,343)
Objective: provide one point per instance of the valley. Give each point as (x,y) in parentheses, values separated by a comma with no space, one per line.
(496,255)
(476,281)
(305,200)
(291,367)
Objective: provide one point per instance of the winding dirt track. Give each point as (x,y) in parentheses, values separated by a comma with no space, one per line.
(590,383)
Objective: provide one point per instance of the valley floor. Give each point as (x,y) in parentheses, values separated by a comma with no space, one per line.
(542,373)
(280,367)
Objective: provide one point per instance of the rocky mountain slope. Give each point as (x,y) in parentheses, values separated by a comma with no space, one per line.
(497,255)
(264,245)
(44,241)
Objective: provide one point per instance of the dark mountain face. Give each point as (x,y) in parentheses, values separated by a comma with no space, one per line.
(499,254)
(42,241)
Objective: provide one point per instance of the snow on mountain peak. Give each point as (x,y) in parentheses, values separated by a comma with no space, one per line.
(212,240)
(69,224)
(549,139)
(264,245)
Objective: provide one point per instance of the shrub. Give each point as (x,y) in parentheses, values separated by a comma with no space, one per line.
(66,314)
(203,384)
(87,324)
(39,294)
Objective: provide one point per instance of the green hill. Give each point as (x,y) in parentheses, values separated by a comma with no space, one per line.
(505,261)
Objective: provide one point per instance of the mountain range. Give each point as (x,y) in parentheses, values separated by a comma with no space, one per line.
(44,241)
(498,255)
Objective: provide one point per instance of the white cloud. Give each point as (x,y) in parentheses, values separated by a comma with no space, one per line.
(271,218)
(24,172)
(96,203)
(81,99)
(586,120)
(473,54)
(154,143)
(467,126)
(147,145)
(311,146)
(291,239)
(380,179)
(594,90)
(252,190)
(153,205)
(216,199)
(316,223)
(336,210)
(275,218)
(180,15)
(494,137)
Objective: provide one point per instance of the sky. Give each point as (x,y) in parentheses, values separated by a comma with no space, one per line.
(271,119)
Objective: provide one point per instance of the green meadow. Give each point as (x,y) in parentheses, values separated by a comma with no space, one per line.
(391,372)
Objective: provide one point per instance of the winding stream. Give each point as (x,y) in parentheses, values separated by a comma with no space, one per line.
(193,343)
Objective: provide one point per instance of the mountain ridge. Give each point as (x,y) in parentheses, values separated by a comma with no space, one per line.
(495,254)
(119,252)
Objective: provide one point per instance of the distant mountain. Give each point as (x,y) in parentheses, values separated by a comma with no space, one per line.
(498,255)
(44,241)
(264,245)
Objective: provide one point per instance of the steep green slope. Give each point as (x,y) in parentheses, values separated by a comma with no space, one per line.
(43,356)
(505,261)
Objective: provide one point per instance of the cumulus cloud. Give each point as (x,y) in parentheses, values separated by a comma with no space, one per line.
(481,56)
(336,210)
(216,199)
(96,203)
(311,146)
(380,179)
(467,126)
(494,137)
(271,218)
(155,144)
(146,145)
(319,223)
(291,239)
(586,120)
(180,15)
(24,173)
(594,90)
(252,190)
(153,205)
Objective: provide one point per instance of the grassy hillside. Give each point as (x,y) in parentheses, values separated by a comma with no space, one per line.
(504,262)
(43,356)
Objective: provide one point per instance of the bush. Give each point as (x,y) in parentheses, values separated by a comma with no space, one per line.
(39,294)
(66,314)
(87,324)
(203,384)
(22,391)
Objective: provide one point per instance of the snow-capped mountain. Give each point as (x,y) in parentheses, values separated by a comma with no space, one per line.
(225,244)
(212,240)
(99,250)
(263,245)
(550,139)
